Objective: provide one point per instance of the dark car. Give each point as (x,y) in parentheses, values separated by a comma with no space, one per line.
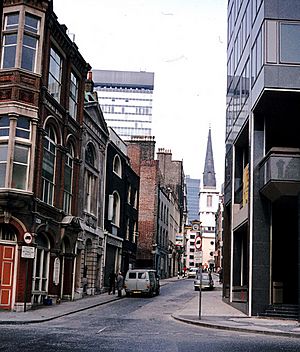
(207,281)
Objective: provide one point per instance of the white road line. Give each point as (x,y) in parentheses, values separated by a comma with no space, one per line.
(101,330)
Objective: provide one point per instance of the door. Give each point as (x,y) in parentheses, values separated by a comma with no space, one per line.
(6,275)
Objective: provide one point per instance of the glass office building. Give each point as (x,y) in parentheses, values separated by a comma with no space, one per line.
(262,167)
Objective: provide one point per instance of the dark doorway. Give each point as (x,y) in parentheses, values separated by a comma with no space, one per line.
(285,250)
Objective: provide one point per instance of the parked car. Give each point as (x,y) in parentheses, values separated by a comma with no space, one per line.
(207,281)
(192,272)
(142,281)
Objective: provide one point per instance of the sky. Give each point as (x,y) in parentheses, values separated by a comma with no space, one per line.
(184,43)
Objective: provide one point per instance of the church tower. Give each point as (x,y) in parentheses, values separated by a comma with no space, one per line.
(208,206)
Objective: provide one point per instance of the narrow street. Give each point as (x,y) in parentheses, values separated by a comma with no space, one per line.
(136,324)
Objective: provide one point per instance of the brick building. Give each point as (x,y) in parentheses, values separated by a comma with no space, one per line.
(160,208)
(42,76)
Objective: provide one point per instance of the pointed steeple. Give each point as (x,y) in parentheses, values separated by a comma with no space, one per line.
(209,178)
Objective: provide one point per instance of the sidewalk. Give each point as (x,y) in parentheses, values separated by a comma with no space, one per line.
(219,315)
(214,314)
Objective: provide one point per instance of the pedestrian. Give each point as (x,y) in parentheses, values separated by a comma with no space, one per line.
(120,284)
(221,276)
(112,283)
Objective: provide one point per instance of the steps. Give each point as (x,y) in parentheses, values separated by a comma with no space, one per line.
(283,311)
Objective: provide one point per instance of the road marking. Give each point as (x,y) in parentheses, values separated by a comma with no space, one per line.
(101,330)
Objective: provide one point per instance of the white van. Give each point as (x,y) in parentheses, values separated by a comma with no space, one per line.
(142,281)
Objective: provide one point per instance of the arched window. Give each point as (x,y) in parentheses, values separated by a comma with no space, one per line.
(117,167)
(68,183)
(41,269)
(7,233)
(90,180)
(116,209)
(90,155)
(48,167)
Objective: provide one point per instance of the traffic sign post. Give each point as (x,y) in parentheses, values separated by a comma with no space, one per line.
(198,258)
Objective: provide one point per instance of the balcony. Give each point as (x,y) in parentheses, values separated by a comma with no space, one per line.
(280,173)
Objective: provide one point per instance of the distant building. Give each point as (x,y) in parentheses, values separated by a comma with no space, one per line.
(125,98)
(192,194)
(160,206)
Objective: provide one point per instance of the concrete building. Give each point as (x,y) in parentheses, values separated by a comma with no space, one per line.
(262,183)
(208,206)
(126,98)
(90,245)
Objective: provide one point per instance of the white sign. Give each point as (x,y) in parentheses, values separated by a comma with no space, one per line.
(198,257)
(56,271)
(27,252)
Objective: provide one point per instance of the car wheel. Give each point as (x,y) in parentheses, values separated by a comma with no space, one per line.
(127,294)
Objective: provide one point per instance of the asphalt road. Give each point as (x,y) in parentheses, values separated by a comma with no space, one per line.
(139,325)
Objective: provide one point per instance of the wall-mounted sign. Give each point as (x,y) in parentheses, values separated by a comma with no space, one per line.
(27,252)
(56,271)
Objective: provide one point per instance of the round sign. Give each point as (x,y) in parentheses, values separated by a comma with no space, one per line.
(27,237)
(198,242)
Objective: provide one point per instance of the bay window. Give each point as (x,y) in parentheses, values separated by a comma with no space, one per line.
(20,166)
(20,28)
(15,158)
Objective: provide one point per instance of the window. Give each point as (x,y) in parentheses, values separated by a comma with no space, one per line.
(129,194)
(4,126)
(73,98)
(90,198)
(30,41)
(117,165)
(116,209)
(41,269)
(127,230)
(209,201)
(68,182)
(23,127)
(15,31)
(17,158)
(3,163)
(90,155)
(135,233)
(48,166)
(289,47)
(257,56)
(20,166)
(54,80)
(10,35)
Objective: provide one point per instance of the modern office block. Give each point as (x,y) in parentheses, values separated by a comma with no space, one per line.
(126,98)
(192,194)
(262,168)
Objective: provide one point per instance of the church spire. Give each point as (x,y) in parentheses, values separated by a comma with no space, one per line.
(209,178)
